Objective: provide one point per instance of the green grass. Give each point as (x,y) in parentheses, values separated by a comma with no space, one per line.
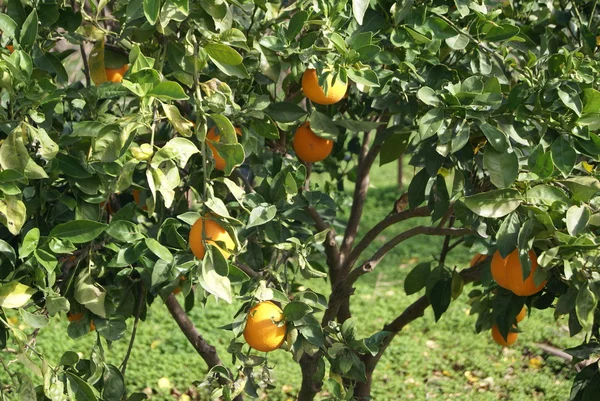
(427,360)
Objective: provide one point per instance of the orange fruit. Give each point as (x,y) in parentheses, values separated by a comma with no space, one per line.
(116,74)
(214,232)
(262,331)
(213,136)
(136,198)
(10,48)
(510,339)
(522,314)
(74,317)
(309,147)
(178,289)
(92,326)
(476,259)
(312,90)
(508,273)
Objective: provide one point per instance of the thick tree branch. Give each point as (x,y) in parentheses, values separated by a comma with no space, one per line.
(343,289)
(331,249)
(206,351)
(389,220)
(411,313)
(365,162)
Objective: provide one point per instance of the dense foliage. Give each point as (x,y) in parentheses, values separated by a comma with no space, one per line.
(495,102)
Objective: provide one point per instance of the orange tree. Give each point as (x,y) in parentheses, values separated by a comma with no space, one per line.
(106,165)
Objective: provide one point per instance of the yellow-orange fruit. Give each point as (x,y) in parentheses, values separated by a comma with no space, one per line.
(510,339)
(313,91)
(10,48)
(74,317)
(263,330)
(213,136)
(116,74)
(310,147)
(476,259)
(213,233)
(508,273)
(522,314)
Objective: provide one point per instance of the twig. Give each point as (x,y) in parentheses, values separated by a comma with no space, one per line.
(247,184)
(248,270)
(138,312)
(86,66)
(331,248)
(446,246)
(10,374)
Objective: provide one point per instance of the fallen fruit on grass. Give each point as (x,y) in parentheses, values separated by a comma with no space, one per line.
(264,328)
(508,273)
(309,147)
(316,93)
(214,233)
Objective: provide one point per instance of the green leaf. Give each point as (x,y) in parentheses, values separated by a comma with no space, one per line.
(417,278)
(359,8)
(29,30)
(563,155)
(585,305)
(363,77)
(296,310)
(114,384)
(508,235)
(571,99)
(323,126)
(90,294)
(8,27)
(177,150)
(428,96)
(223,54)
(285,112)
(357,125)
(125,231)
(14,155)
(159,250)
(439,290)
(416,188)
(503,168)
(494,204)
(14,295)
(168,90)
(35,321)
(431,123)
(181,125)
(265,128)
(113,328)
(545,194)
(296,24)
(46,259)
(213,282)
(261,215)
(78,231)
(151,10)
(577,219)
(13,214)
(393,147)
(495,137)
(582,188)
(501,32)
(29,242)
(79,388)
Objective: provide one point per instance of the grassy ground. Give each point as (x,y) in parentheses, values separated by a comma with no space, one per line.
(444,360)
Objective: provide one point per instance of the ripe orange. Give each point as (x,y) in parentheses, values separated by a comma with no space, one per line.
(136,198)
(262,331)
(74,317)
(214,232)
(522,314)
(116,74)
(309,147)
(508,273)
(92,326)
(213,136)
(10,48)
(312,90)
(510,339)
(177,290)
(476,259)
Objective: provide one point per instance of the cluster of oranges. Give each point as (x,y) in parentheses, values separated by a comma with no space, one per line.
(308,146)
(508,274)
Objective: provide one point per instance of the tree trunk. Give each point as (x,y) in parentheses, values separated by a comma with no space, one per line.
(309,387)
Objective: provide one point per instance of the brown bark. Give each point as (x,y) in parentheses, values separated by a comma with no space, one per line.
(202,347)
(363,390)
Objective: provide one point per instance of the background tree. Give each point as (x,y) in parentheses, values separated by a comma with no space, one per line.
(105,170)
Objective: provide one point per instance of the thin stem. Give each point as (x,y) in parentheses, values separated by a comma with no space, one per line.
(592,14)
(10,374)
(446,246)
(86,66)
(138,312)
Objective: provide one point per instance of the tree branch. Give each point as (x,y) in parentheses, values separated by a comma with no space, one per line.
(389,220)
(331,249)
(411,313)
(138,312)
(206,351)
(365,161)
